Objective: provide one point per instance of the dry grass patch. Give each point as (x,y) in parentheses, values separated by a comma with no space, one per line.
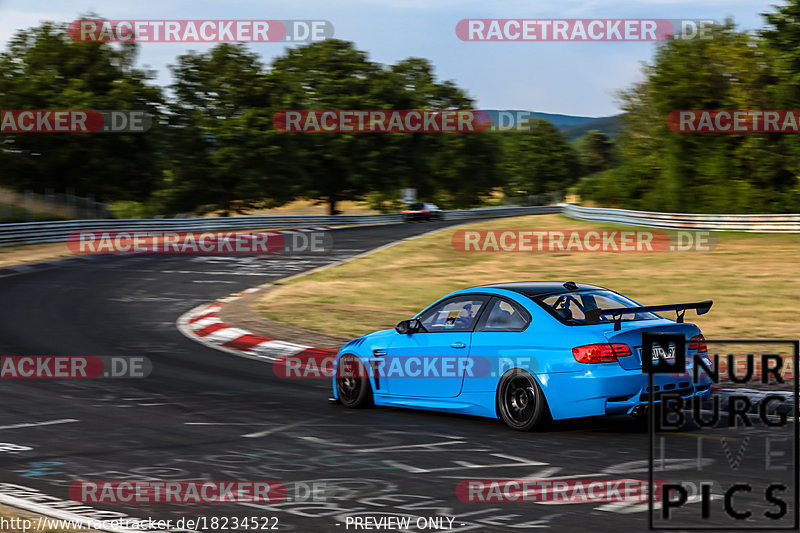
(752,278)
(32,253)
(309,207)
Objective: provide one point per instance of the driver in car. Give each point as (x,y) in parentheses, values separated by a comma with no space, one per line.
(464,320)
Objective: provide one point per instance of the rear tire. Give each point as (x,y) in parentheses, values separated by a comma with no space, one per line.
(520,401)
(352,384)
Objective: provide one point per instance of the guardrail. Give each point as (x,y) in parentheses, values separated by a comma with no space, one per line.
(778,223)
(58,231)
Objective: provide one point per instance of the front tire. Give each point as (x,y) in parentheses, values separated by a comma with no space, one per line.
(520,401)
(352,383)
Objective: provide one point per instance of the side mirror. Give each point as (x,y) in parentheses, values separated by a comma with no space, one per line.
(408,326)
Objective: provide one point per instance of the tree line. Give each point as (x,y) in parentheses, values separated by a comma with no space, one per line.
(213,146)
(659,169)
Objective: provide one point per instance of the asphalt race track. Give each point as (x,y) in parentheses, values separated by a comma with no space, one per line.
(205,414)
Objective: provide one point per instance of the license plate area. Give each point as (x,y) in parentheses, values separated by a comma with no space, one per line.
(660,353)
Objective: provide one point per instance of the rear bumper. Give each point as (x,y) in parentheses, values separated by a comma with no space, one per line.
(612,391)
(409,217)
(639,402)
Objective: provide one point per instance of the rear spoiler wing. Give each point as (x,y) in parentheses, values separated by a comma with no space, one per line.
(593,315)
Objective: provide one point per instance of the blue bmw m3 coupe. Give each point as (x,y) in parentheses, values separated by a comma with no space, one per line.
(524,352)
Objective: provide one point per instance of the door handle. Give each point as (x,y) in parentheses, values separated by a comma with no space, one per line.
(458,345)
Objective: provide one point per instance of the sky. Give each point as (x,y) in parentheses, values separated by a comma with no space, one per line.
(573,78)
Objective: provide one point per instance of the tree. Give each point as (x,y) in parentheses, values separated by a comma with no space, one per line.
(596,151)
(455,169)
(539,160)
(43,69)
(224,152)
(664,170)
(329,74)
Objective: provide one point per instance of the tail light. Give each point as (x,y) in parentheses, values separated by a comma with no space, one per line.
(600,353)
(426,211)
(698,342)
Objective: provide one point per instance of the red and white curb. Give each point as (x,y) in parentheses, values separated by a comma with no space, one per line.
(204,325)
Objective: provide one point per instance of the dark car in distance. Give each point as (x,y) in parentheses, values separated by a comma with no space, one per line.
(422,211)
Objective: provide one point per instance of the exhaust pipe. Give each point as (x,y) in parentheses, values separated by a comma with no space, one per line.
(639,410)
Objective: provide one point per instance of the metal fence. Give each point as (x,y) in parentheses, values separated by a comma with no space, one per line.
(778,223)
(43,232)
(59,231)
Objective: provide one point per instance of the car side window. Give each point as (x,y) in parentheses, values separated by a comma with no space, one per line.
(503,315)
(455,314)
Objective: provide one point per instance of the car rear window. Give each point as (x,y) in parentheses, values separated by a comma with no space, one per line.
(415,207)
(571,307)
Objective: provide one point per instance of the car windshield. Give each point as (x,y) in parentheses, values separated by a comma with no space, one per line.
(570,308)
